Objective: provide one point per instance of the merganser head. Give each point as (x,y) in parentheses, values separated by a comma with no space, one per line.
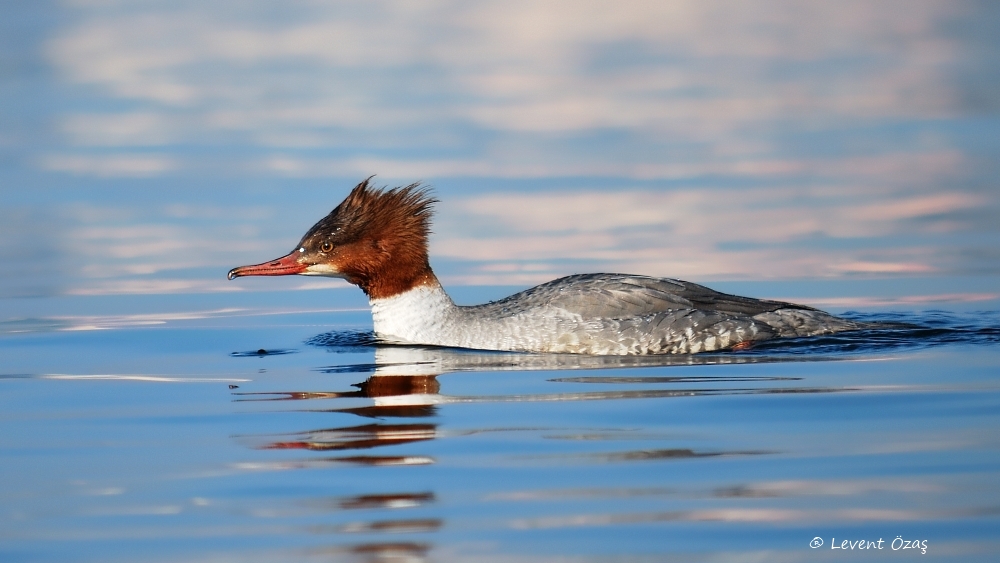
(375,239)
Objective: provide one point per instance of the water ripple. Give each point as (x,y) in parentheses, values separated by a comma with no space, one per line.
(896,331)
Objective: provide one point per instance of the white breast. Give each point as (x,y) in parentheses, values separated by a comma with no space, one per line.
(420,315)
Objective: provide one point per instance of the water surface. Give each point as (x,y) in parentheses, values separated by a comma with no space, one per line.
(261,435)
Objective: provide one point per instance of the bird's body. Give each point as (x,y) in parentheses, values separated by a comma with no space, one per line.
(597,314)
(377,239)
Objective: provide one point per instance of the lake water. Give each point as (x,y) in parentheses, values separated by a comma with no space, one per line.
(262,427)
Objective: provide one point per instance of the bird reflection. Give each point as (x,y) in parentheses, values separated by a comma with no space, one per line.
(386,552)
(356,437)
(385,501)
(398,389)
(405,385)
(401,398)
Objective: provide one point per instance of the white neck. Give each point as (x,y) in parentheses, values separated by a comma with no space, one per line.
(422,315)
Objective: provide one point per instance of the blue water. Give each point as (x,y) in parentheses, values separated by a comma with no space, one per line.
(257,434)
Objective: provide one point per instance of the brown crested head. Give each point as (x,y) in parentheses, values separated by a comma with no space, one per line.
(376,239)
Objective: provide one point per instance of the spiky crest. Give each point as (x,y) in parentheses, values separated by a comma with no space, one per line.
(381,237)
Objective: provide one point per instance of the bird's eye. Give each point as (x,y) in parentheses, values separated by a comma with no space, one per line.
(326,246)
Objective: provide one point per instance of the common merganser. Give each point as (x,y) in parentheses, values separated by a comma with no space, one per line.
(377,239)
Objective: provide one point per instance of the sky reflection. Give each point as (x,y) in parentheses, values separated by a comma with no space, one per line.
(147,147)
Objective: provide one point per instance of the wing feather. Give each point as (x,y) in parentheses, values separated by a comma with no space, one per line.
(620,296)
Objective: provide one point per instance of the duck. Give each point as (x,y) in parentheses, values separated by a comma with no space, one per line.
(377,239)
